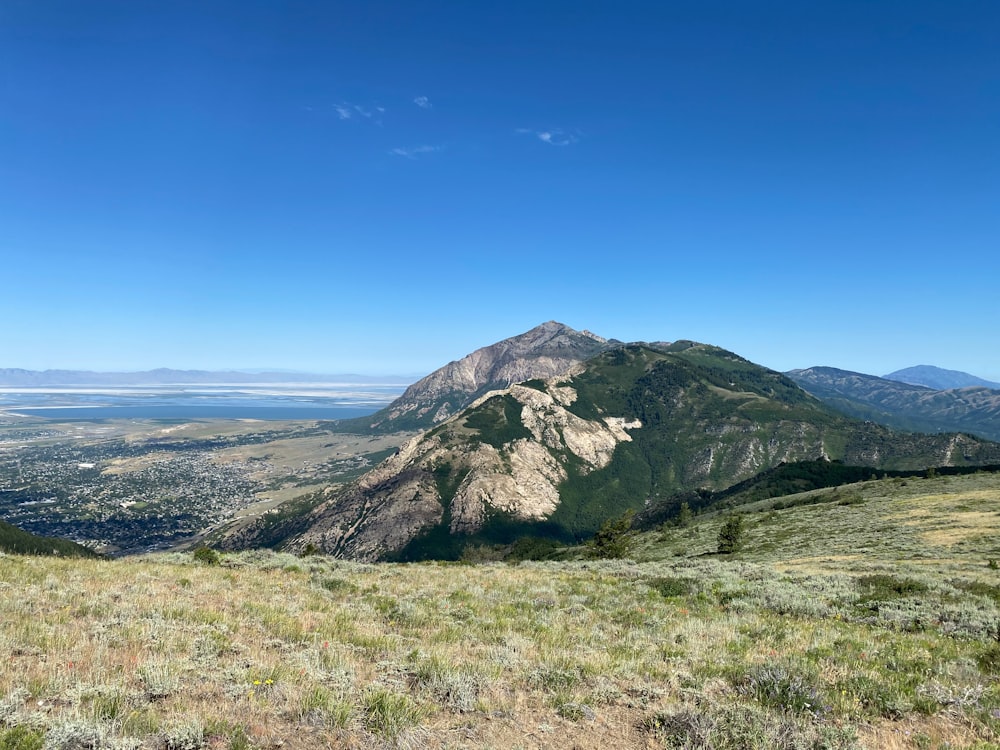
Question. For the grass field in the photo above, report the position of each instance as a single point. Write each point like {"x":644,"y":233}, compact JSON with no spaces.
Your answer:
{"x":865,"y":617}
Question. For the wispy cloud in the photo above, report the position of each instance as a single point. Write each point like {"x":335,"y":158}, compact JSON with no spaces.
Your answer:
{"x":423,"y":102}
{"x":349,"y":111}
{"x":415,"y":151}
{"x":552,"y":136}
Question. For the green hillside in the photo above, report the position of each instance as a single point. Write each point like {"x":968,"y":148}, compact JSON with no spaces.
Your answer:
{"x":710,"y":419}
{"x":795,"y":479}
{"x":14,"y":540}
{"x":937,"y":527}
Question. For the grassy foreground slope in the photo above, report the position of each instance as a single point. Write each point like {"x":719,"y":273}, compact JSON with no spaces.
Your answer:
{"x":868,"y":620}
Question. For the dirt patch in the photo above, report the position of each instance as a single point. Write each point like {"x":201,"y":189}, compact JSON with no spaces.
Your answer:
{"x":946,"y":520}
{"x":293,"y":452}
{"x":973,"y":526}
{"x":136,"y":463}
{"x":932,"y":505}
{"x":820,"y":564}
{"x":940,"y":730}
{"x":537,"y":727}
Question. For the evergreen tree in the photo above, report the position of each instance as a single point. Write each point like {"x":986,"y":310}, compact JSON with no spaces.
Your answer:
{"x":613,"y":540}
{"x":684,"y":515}
{"x":731,"y":535}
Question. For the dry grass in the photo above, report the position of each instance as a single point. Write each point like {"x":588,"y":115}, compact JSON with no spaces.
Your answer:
{"x":271,"y":650}
{"x":823,"y":646}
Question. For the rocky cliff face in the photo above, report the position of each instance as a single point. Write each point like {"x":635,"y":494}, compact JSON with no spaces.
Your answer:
{"x":459,"y":474}
{"x":543,"y":352}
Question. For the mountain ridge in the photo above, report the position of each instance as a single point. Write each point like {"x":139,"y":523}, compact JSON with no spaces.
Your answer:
{"x":559,"y":456}
{"x":940,"y":378}
{"x":902,"y":405}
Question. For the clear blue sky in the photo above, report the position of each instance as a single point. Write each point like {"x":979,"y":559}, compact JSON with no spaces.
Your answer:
{"x":381,"y":187}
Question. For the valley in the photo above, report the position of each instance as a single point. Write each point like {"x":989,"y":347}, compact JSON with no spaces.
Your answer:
{"x":128,"y":486}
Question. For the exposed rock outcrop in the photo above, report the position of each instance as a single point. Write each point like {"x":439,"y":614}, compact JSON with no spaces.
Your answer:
{"x":410,"y":491}
{"x":543,"y":352}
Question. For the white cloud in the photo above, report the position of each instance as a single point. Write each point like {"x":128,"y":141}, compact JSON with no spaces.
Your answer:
{"x":553,"y":136}
{"x":556,"y":137}
{"x":423,"y":102}
{"x":415,"y":151}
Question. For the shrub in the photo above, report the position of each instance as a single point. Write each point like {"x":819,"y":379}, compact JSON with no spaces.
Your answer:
{"x":157,"y":679}
{"x":989,"y":660}
{"x":670,"y":586}
{"x":20,"y":738}
{"x":75,"y":735}
{"x":206,"y":556}
{"x":744,"y":727}
{"x":781,"y":688}
{"x":338,"y":586}
{"x":881,"y":587}
{"x":389,"y":714}
{"x":186,"y":735}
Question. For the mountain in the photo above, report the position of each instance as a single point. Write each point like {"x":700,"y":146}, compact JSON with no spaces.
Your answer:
{"x":545,"y":351}
{"x":939,"y":379}
{"x":903,"y":406}
{"x":556,"y":457}
{"x":164,"y":376}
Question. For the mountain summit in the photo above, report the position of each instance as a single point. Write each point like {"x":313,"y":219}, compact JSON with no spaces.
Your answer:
{"x":543,"y":352}
{"x":939,"y":379}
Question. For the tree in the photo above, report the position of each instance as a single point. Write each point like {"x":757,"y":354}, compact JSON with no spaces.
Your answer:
{"x":612,"y":540}
{"x":684,"y":515}
{"x":731,"y":535}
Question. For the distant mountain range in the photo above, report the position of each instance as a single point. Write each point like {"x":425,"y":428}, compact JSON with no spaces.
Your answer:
{"x":903,"y":406}
{"x":164,"y":376}
{"x":939,"y":379}
{"x":593,"y":428}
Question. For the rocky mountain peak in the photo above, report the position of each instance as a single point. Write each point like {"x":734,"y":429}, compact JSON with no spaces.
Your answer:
{"x":547,"y":350}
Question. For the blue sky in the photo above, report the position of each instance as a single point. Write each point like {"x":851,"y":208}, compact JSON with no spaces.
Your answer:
{"x":382,"y":187}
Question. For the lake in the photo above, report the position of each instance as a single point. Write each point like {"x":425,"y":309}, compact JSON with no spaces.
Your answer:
{"x":265,"y":401}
